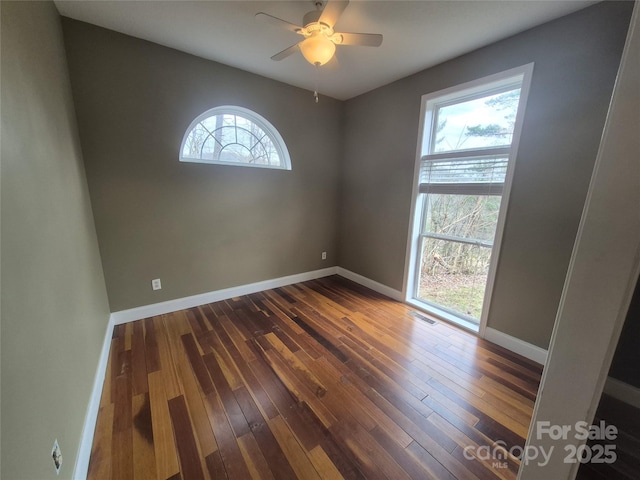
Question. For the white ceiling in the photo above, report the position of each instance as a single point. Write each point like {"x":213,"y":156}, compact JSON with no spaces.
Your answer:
{"x":417,"y":34}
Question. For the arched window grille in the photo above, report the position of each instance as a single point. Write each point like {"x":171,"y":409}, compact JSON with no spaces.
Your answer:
{"x":231,"y":135}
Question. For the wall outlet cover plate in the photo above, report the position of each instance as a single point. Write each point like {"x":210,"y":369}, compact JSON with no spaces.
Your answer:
{"x":56,"y":455}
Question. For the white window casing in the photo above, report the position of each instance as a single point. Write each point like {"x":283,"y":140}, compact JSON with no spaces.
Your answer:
{"x":483,"y":169}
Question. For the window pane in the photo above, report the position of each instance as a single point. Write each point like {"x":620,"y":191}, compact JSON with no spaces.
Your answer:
{"x":483,"y":122}
{"x":226,"y":135}
{"x":235,"y":153}
{"x":210,"y":149}
{"x":211,"y":123}
{"x":195,"y":140}
{"x":245,"y":137}
{"x":453,"y":276}
{"x":465,"y":216}
{"x":260,"y":154}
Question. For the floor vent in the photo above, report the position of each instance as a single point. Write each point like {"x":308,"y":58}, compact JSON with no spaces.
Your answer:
{"x":430,"y":321}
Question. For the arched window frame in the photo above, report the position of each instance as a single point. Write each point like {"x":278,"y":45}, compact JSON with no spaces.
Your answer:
{"x":261,"y":122}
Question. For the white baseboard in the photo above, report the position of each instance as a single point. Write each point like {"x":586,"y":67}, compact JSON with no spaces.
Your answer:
{"x":622,"y":391}
{"x":372,"y":284}
{"x":86,"y":441}
{"x":138,"y":313}
{"x":527,"y":350}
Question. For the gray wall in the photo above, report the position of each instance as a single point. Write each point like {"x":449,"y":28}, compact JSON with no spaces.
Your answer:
{"x":576,"y":61}
{"x":626,"y":362}
{"x":198,"y":228}
{"x":54,"y":304}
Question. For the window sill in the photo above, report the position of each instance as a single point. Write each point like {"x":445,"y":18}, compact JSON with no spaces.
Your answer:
{"x":444,"y":315}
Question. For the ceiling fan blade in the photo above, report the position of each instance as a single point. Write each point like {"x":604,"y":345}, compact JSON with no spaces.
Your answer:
{"x":332,"y":11}
{"x":361,"y":39}
{"x":286,"y":52}
{"x":278,"y":22}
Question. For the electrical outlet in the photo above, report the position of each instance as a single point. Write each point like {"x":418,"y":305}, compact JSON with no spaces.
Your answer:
{"x":155,"y":284}
{"x":56,"y":455}
{"x":324,"y":255}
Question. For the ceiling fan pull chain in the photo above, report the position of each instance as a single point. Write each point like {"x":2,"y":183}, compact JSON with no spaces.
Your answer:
{"x":315,"y":92}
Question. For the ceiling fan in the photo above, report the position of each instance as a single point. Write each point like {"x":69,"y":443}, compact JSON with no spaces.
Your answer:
{"x":320,"y":39}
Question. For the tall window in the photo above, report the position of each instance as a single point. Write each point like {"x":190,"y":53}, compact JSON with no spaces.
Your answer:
{"x":464,"y":157}
{"x":234,"y":136}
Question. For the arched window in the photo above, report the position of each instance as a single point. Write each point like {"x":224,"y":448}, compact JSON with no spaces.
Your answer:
{"x":232,"y":135}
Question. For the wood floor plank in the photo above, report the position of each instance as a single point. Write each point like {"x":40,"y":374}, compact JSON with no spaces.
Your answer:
{"x":323,"y":464}
{"x":375,"y":460}
{"x":324,"y":379}
{"x":463,"y":441}
{"x":237,"y":338}
{"x":167,"y":366}
{"x":144,"y":466}
{"x":100,"y":461}
{"x":342,"y":458}
{"x":241,"y":361}
{"x":298,"y":367}
{"x":193,"y":396}
{"x":232,"y":409}
{"x":188,"y":455}
{"x":138,"y":359}
{"x":225,"y":361}
{"x":164,"y":445}
{"x":232,"y":458}
{"x":407,"y":462}
{"x":115,"y":359}
{"x":434,"y":467}
{"x":263,"y":437}
{"x":215,"y":466}
{"x":197,"y":365}
{"x":122,"y":439}
{"x":292,"y":449}
{"x":257,"y":464}
{"x":128,"y":334}
{"x":484,"y":410}
{"x":369,"y":413}
{"x":285,"y":404}
{"x":296,"y":385}
{"x":152,"y":356}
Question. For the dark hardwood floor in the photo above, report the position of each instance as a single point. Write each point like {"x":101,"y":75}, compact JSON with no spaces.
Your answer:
{"x":626,"y":445}
{"x":323,"y":379}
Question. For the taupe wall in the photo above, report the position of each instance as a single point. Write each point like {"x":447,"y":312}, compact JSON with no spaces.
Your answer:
{"x":197,"y":227}
{"x":54,"y":304}
{"x":576,"y":61}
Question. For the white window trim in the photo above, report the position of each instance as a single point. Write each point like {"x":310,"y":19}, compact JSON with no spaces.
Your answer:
{"x":254,"y":117}
{"x":473,"y":87}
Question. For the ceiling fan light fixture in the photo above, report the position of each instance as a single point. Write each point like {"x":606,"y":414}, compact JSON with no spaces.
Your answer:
{"x":317,"y":49}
